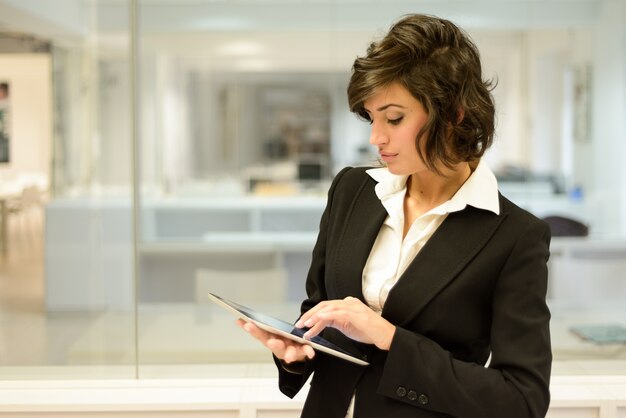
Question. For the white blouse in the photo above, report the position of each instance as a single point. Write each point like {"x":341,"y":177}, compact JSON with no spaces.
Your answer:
{"x":391,"y":254}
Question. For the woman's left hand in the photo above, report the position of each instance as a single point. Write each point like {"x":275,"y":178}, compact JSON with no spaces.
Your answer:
{"x":353,"y":318}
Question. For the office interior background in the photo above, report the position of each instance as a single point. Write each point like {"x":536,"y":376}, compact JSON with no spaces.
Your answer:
{"x":155,"y":150}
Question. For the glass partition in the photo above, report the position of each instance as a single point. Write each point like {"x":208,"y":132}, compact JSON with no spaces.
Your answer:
{"x":242,"y":121}
{"x":236,"y":160}
{"x":67,"y":304}
{"x":246,"y":120}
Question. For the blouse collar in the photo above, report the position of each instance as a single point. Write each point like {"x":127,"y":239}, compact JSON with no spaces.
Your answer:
{"x":479,"y":191}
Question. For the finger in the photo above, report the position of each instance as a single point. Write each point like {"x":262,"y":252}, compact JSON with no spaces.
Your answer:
{"x":250,"y":328}
{"x":308,"y":314}
{"x":277,"y":346}
{"x":316,"y":329}
{"x":303,"y":351}
{"x":314,"y":317}
{"x":308,"y":351}
{"x":351,"y":300}
{"x":280,"y":347}
{"x":257,"y":332}
{"x":291,"y":354}
{"x":329,"y":313}
{"x":327,"y":304}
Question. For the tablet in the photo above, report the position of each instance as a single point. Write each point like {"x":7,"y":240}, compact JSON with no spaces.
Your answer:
{"x":284,"y":329}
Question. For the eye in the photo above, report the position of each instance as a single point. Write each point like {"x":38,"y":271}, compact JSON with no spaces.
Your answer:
{"x":395,"y":121}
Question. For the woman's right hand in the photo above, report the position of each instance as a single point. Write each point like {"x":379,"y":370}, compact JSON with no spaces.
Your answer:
{"x":283,"y":348}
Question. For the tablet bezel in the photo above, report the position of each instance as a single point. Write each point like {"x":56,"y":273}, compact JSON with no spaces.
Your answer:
{"x":233,"y":308}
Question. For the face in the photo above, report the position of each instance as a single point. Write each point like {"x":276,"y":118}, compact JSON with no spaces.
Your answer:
{"x":396,"y":118}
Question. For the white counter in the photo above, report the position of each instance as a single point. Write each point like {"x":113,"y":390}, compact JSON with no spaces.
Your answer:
{"x":572,"y":397}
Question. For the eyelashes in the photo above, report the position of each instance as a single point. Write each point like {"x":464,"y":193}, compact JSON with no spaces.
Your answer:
{"x":394,"y":122}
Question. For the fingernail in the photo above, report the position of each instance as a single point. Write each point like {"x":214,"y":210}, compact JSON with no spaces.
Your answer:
{"x":299,"y":324}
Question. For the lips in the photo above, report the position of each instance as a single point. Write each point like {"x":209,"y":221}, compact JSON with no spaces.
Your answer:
{"x":387,"y":156}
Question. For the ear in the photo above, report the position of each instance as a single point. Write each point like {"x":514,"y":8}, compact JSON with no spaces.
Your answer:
{"x":460,"y":115}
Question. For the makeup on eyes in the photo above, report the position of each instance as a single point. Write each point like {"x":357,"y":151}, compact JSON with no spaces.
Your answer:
{"x":395,"y":120}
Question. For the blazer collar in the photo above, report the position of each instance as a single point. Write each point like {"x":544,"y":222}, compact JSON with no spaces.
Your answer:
{"x":455,"y":243}
{"x":480,"y":190}
{"x":363,"y":221}
{"x":461,"y":236}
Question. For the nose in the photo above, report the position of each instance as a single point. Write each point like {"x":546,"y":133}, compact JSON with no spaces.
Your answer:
{"x":378,"y":136}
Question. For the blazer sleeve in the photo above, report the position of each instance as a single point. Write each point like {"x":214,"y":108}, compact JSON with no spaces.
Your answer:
{"x":290,"y":383}
{"x":516,"y":382}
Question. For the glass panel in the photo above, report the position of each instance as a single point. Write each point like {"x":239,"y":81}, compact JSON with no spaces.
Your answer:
{"x":67,"y":298}
{"x":245,"y":120}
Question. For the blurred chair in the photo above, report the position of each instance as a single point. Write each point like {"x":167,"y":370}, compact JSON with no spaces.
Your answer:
{"x":26,"y":214}
{"x":562,"y":226}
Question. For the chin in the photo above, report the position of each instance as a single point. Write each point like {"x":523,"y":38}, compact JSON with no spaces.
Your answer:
{"x":398,"y":169}
{"x":405,"y":171}
{"x":398,"y":172}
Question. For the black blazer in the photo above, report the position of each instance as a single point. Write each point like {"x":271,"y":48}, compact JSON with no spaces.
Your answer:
{"x":477,"y":287}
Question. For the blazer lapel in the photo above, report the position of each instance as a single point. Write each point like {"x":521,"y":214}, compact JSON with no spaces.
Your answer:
{"x":363,"y":221}
{"x":457,"y":240}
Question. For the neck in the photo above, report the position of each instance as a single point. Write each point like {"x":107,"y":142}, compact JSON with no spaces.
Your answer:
{"x":431,"y":189}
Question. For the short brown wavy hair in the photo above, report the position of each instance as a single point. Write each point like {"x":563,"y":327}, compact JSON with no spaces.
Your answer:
{"x":439,"y":65}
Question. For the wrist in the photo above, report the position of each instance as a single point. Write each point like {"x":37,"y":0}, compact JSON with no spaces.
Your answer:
{"x":386,"y":337}
{"x":296,"y":367}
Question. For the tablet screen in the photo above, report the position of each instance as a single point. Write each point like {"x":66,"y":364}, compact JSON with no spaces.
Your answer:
{"x":284,"y":328}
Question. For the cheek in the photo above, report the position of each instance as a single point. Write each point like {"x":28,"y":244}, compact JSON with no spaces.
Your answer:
{"x":409,"y":136}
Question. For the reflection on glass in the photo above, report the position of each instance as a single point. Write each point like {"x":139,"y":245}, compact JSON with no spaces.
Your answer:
{"x":247,"y":124}
{"x":243,"y":121}
{"x":67,"y":304}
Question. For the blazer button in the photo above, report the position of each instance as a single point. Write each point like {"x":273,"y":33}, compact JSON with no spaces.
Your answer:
{"x":401,"y":391}
{"x":422,"y":399}
{"x":412,"y":395}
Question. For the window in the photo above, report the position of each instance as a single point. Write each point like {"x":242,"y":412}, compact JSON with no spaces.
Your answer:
{"x":242,"y":121}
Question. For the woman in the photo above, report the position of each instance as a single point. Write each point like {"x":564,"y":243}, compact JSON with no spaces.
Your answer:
{"x":421,"y":266}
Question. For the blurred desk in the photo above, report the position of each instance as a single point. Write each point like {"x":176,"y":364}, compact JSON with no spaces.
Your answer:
{"x":567,"y":346}
{"x":591,"y":246}
{"x":179,"y":237}
{"x":587,"y":271}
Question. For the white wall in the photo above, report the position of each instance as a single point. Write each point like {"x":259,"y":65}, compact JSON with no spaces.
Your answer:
{"x":29,"y":76}
{"x":502,"y":55}
{"x":609,"y":112}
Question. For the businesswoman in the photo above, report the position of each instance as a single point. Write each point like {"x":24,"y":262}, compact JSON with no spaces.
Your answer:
{"x":421,"y":266}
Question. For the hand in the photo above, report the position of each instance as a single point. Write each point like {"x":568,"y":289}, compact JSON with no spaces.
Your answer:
{"x":353,"y":318}
{"x":283,"y":348}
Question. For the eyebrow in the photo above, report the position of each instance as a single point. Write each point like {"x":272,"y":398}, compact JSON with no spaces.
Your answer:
{"x":380,"y":109}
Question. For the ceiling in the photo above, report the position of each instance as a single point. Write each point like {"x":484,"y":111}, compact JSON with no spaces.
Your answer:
{"x":78,"y":18}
